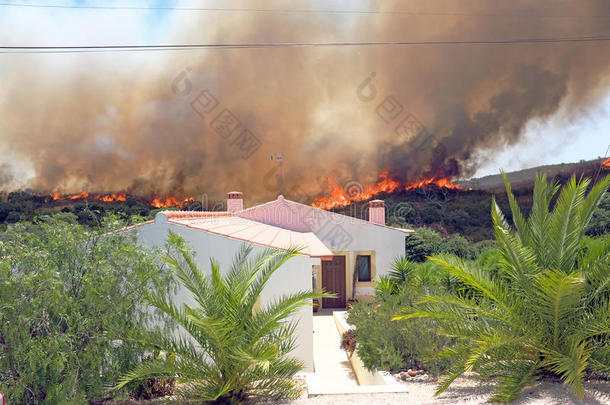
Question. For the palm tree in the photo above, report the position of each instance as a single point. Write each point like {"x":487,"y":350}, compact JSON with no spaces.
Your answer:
{"x":548,"y":310}
{"x":232,"y":349}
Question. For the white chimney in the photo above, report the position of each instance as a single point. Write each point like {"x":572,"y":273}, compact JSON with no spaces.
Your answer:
{"x":235,"y":201}
{"x":377,"y":212}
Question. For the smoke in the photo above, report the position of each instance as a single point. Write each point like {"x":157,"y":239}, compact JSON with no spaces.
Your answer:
{"x":206,"y":121}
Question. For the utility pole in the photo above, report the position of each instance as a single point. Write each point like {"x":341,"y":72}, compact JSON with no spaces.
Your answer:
{"x":279,"y":158}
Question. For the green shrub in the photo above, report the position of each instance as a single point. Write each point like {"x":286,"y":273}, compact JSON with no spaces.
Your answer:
{"x":389,"y":345}
{"x":424,"y":242}
{"x":69,"y":298}
{"x":600,"y":221}
{"x":427,"y":242}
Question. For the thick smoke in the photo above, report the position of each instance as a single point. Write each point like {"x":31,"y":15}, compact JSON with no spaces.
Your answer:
{"x":145,"y":122}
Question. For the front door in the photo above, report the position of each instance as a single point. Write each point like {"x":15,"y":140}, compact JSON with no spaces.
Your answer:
{"x":333,"y":281}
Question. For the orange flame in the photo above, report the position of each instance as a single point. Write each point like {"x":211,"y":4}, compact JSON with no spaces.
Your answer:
{"x":82,"y":195}
{"x":606,"y":164}
{"x":160,"y":202}
{"x":433,"y":181}
{"x":341,"y":197}
{"x":170,"y":201}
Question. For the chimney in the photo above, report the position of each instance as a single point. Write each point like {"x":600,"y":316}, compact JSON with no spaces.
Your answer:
{"x":377,"y":212}
{"x":235,"y":201}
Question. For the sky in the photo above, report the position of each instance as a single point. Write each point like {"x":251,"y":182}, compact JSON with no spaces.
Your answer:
{"x":586,"y":136}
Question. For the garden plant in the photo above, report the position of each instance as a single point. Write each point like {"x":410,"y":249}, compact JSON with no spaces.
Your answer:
{"x":546,"y":311}
{"x":231,"y":348}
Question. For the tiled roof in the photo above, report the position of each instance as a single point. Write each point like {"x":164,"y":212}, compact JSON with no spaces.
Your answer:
{"x":300,"y":217}
{"x":248,"y":230}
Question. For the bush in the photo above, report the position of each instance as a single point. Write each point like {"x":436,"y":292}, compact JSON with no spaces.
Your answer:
{"x":69,"y":298}
{"x":395,"y":345}
{"x":600,"y":221}
{"x":427,"y":242}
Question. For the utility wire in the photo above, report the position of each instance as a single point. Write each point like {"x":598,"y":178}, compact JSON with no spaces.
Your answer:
{"x":176,"y":47}
{"x":303,"y":11}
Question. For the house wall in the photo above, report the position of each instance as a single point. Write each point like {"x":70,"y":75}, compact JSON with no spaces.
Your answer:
{"x":294,"y":276}
{"x":350,"y":237}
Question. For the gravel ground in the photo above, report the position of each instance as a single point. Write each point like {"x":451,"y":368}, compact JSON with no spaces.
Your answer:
{"x":466,"y":391}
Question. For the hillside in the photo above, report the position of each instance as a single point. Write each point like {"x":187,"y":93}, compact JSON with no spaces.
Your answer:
{"x":468,"y":211}
{"x":525,"y":178}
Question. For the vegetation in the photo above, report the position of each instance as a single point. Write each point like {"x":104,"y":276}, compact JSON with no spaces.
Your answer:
{"x":534,"y":303}
{"x":233,"y":349}
{"x":390,"y":345}
{"x":25,"y":206}
{"x":385,"y":344}
{"x":348,"y":342}
{"x":426,"y":242}
{"x":65,"y":291}
{"x":546,"y":310}
{"x":600,"y":221}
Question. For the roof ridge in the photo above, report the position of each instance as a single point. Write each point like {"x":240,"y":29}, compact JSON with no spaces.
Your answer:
{"x":195,"y":214}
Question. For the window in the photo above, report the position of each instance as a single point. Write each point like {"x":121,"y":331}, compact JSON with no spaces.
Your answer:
{"x":364,"y":267}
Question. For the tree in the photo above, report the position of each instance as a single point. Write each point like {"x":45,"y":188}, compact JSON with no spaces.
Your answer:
{"x":547,"y":311}
{"x":69,"y":298}
{"x":232,"y":350}
{"x":426,"y":242}
{"x":600,"y":222}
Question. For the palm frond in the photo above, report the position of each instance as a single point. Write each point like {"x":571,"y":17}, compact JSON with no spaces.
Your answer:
{"x":571,"y":364}
{"x":519,"y":376}
{"x":523,"y":231}
{"x":548,"y":309}
{"x":224,"y":351}
{"x":565,"y":225}
{"x":591,"y":202}
{"x":558,"y":297}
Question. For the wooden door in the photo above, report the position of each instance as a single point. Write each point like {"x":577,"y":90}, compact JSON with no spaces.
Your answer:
{"x":333,"y":281}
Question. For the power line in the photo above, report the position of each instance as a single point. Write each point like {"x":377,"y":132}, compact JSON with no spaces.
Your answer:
{"x":304,"y":11}
{"x":176,"y":47}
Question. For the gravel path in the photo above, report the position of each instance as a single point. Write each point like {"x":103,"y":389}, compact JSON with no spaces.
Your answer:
{"x":466,"y":391}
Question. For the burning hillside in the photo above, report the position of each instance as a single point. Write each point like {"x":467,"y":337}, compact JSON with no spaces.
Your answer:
{"x":156,"y":202}
{"x":354,"y":192}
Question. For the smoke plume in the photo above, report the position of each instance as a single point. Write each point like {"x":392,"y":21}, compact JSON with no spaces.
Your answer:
{"x":207,"y":121}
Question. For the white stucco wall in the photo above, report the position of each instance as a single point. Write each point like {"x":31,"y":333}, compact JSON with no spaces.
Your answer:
{"x":342,"y":233}
{"x":293,"y":276}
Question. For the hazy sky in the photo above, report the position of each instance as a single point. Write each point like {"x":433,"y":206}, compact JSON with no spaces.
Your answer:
{"x":585,"y":137}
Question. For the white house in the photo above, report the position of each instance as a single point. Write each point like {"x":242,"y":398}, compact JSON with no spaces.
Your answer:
{"x":338,"y":251}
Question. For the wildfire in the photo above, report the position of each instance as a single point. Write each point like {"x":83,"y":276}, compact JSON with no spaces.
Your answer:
{"x":159,"y":202}
{"x":606,"y":164}
{"x":82,"y":195}
{"x":343,"y":196}
{"x":433,"y":181}
{"x":170,"y":201}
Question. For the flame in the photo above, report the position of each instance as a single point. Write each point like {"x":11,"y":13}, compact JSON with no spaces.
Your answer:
{"x":170,"y":201}
{"x":442,"y":182}
{"x":606,"y":164}
{"x":344,"y":196}
{"x":114,"y":197}
{"x":159,"y":202}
